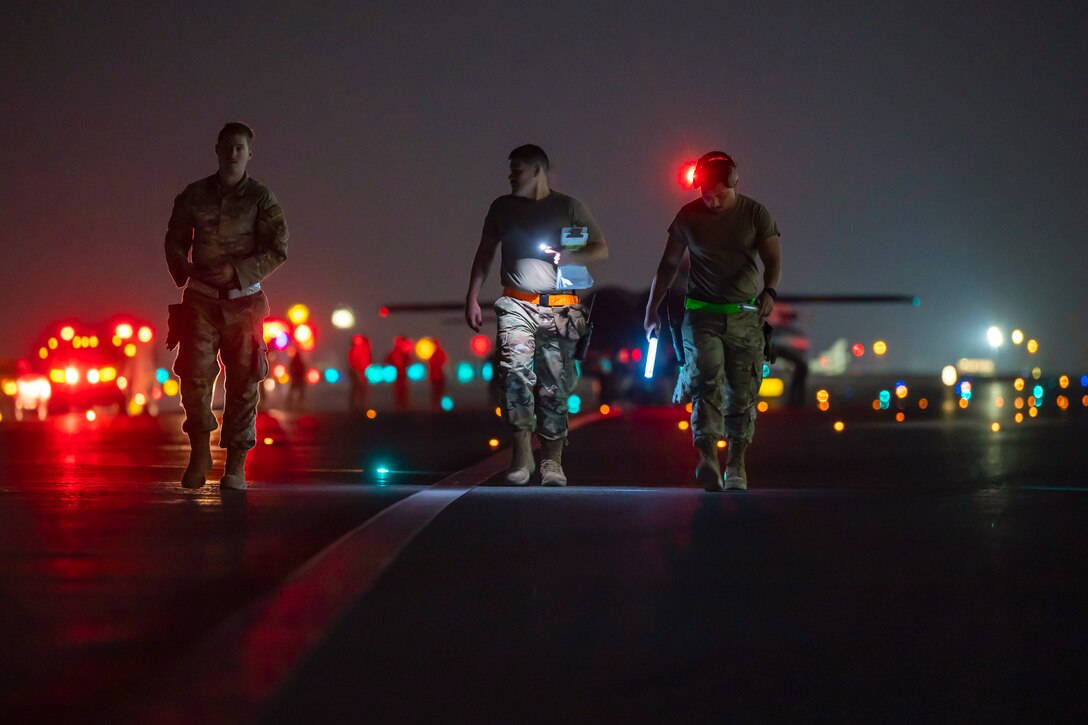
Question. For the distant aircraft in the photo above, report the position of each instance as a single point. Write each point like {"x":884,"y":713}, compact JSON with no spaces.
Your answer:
{"x":615,"y":357}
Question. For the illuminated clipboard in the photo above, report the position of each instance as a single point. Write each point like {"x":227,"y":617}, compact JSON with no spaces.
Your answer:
{"x":573,"y":276}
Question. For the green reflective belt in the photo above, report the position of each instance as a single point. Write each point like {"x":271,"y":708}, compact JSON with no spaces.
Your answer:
{"x":728,"y":308}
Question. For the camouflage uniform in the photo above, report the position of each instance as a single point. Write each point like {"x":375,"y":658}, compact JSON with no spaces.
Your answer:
{"x":243,"y":227}
{"x":535,"y":346}
{"x":724,"y":355}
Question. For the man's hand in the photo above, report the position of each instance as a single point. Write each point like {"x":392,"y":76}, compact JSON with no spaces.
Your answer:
{"x":474,"y":316}
{"x":220,"y":277}
{"x":765,"y":303}
{"x":652,"y":324}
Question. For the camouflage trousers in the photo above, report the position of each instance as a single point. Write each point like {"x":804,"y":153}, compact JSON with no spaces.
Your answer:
{"x":535,"y":347}
{"x":233,"y":330}
{"x":725,"y":355}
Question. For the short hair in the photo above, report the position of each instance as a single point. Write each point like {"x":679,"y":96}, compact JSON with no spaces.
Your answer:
{"x":531,"y":155}
{"x":235,"y":128}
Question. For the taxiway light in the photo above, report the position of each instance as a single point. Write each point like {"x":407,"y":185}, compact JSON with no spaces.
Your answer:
{"x":343,"y":318}
{"x":995,"y":426}
{"x":651,"y":358}
{"x":683,"y":425}
{"x":824,"y":406}
{"x":10,"y":388}
{"x":923,"y":403}
{"x":688,"y":407}
{"x":139,"y":399}
{"x":1018,"y":383}
{"x":332,"y":375}
{"x":995,"y":337}
{"x":900,"y":416}
{"x":313,"y":376}
{"x":1036,"y":373}
{"x":1018,"y":403}
{"x":124,"y":331}
{"x":901,"y":391}
{"x":1063,"y":402}
{"x":67,"y":333}
{"x":1033,"y":347}
{"x":480,"y":345}
{"x":1033,"y":412}
{"x":858,"y":349}
{"x":91,"y":415}
{"x":170,"y":388}
{"x":498,"y":412}
{"x":722,"y":444}
{"x":822,"y":396}
{"x":999,"y":402}
{"x":762,"y":406}
{"x":880,"y":347}
{"x":487,"y":371}
{"x":493,"y":443}
{"x":268,"y":441}
{"x":465,"y":373}
{"x":425,"y":348}
{"x":447,"y":403}
{"x":304,"y":336}
{"x":839,"y":426}
{"x":43,"y":353}
{"x":605,"y":409}
{"x":383,"y":312}
{"x":1017,"y":337}
{"x":416,"y":372}
{"x":1084,"y":401}
{"x":574,"y":404}
{"x":122,"y":382}
{"x":298,"y":314}
{"x":144,"y":335}
{"x":371,"y":414}
{"x":1063,"y":381}
{"x":949,"y":375}
{"x":130,"y":350}
{"x":71,"y":376}
{"x":93,"y":376}
{"x":53,"y":343}
{"x":1084,"y":381}
{"x":964,"y":403}
{"x":1019,"y":418}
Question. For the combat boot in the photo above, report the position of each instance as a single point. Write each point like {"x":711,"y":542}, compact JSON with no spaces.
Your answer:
{"x":551,"y":462}
{"x":736,"y":478}
{"x":708,"y":472}
{"x":200,"y":461}
{"x":235,"y":474}
{"x":522,"y":464}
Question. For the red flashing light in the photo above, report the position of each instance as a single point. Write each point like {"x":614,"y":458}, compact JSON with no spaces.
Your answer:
{"x":313,"y":376}
{"x":858,"y":350}
{"x":383,"y":312}
{"x":636,"y":354}
{"x":480,"y":345}
{"x":686,"y":177}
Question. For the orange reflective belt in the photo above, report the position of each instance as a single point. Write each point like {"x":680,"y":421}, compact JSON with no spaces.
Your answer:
{"x":547,"y":300}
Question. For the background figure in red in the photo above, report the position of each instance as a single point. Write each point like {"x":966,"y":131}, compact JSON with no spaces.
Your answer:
{"x":399,"y":357}
{"x":436,"y":373}
{"x":359,"y":359}
{"x":296,"y":370}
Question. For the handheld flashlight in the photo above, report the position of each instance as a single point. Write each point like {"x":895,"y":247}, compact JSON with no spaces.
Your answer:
{"x":651,"y":358}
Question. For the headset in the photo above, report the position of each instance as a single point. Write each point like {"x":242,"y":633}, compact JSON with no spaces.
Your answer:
{"x":716,"y":158}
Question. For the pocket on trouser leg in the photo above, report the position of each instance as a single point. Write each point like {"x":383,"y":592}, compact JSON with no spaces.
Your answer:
{"x":258,"y":369}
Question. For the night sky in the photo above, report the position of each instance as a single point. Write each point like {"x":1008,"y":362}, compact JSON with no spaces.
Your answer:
{"x":934,"y":149}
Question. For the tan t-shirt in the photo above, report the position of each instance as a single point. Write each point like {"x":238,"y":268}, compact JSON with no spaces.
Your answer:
{"x":723,"y":247}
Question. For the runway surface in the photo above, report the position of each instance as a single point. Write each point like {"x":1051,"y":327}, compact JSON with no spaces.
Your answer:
{"x":930,"y":568}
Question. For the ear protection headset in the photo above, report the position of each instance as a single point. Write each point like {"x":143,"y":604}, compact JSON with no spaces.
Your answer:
{"x":716,"y":158}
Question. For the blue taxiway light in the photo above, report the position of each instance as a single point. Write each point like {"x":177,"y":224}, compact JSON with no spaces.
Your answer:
{"x":332,"y":375}
{"x":447,"y":403}
{"x":574,"y":405}
{"x":162,"y":375}
{"x":416,"y":372}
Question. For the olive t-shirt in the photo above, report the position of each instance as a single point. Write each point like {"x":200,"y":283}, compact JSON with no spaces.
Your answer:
{"x":522,"y":225}
{"x":723,"y":248}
